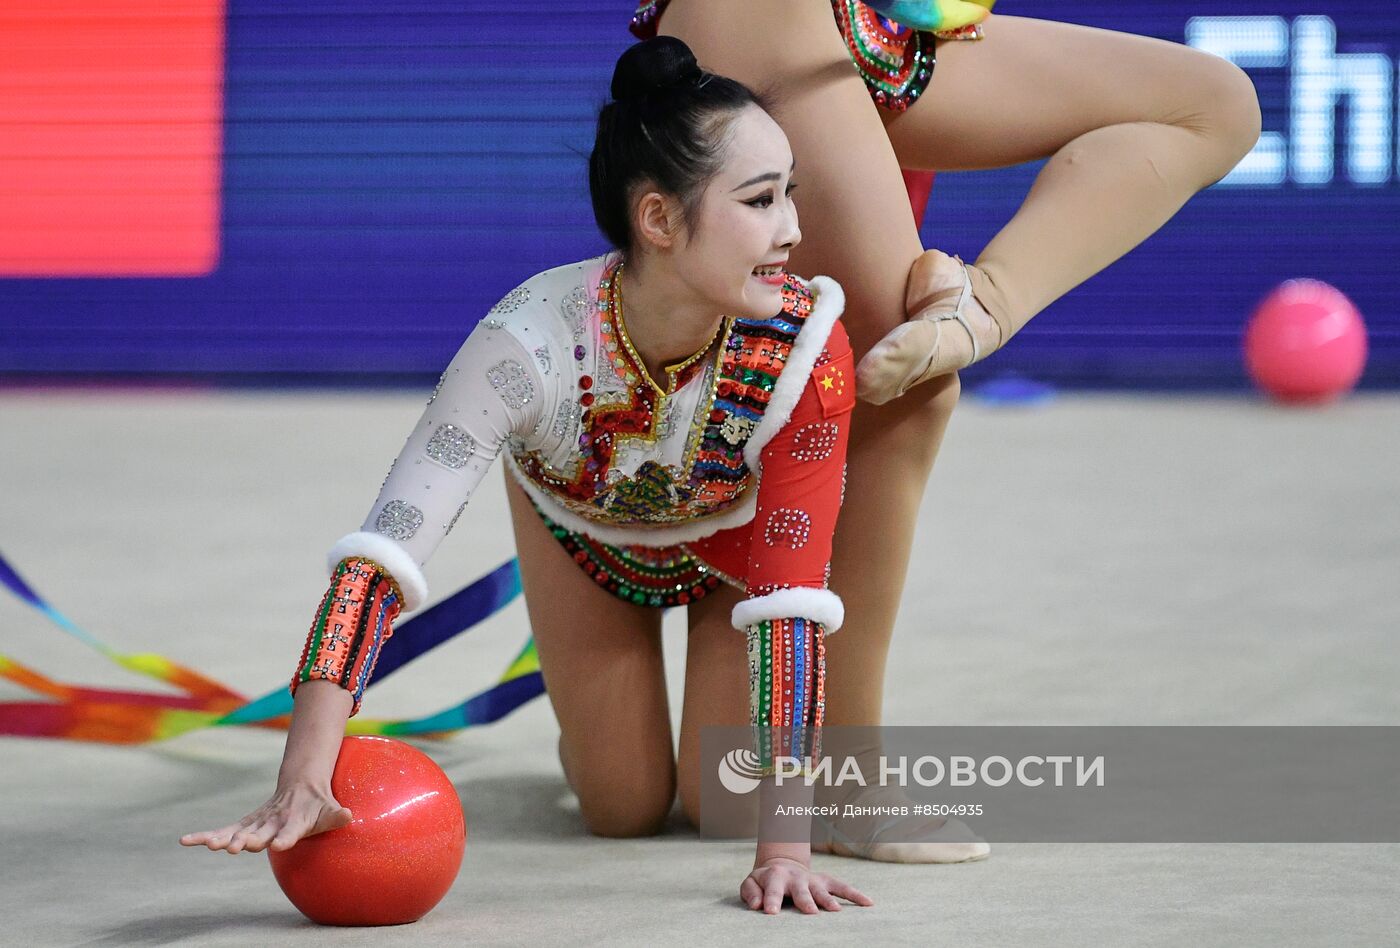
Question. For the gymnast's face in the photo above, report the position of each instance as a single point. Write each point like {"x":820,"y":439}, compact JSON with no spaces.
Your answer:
{"x":746,"y":223}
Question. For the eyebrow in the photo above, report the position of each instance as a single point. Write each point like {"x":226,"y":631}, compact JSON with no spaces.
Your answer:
{"x":770,"y":176}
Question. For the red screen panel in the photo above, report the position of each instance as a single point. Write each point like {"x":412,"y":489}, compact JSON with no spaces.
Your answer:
{"x":111,"y":117}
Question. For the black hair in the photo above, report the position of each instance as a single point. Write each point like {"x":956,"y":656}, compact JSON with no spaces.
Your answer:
{"x":667,"y":124}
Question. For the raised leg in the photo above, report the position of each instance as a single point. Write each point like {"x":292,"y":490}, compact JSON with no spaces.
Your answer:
{"x":1133,"y":127}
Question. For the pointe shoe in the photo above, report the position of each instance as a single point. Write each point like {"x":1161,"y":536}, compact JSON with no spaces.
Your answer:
{"x":953,"y":842}
{"x":910,"y":353}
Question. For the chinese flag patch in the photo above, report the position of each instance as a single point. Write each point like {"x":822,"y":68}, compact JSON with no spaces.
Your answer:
{"x":836,"y":385}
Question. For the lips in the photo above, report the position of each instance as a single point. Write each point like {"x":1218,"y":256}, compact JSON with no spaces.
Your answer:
{"x":771,"y":273}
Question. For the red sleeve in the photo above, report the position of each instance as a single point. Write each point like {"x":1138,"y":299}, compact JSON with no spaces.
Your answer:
{"x":802,"y":482}
{"x":790,"y":609}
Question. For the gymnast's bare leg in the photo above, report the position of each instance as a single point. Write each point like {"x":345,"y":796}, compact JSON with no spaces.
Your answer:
{"x":1133,"y":127}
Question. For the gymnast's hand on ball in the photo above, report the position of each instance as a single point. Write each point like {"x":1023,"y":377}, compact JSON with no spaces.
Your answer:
{"x":294,"y":811}
{"x":779,"y":876}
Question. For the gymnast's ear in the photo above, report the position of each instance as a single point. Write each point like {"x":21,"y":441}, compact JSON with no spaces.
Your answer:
{"x":657,"y":220}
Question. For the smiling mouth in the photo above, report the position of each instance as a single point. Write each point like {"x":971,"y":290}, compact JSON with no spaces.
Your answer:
{"x":770,"y":271}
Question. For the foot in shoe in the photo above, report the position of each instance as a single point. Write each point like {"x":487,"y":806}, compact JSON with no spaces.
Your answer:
{"x":920,"y":349}
{"x":900,"y":839}
{"x":886,"y":838}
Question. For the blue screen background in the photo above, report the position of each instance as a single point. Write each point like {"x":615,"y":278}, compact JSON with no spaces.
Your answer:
{"x":391,"y":170}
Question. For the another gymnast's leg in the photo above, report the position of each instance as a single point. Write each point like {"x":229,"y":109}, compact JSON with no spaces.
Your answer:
{"x":857,"y":229}
{"x":602,"y":665}
{"x":1133,"y":127}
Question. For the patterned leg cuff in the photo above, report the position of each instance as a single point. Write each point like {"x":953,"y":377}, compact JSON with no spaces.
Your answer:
{"x":787,"y":690}
{"x":355,"y":618}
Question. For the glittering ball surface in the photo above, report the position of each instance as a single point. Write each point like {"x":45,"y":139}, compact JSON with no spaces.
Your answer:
{"x":399,"y":855}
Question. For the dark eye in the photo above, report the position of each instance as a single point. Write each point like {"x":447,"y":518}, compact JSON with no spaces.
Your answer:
{"x":761,"y":201}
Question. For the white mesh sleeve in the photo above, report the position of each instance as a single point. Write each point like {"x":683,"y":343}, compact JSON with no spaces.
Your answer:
{"x":490,"y":391}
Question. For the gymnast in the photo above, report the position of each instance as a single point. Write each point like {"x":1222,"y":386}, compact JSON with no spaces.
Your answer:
{"x":674,"y":416}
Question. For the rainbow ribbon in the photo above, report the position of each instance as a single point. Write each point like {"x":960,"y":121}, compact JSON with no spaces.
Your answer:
{"x":118,"y":716}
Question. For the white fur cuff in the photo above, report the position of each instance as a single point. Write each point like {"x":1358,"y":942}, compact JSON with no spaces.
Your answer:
{"x":818,"y":605}
{"x":389,"y":555}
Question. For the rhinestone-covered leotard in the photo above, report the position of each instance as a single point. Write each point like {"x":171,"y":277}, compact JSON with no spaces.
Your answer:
{"x":895,"y":61}
{"x":733,"y":469}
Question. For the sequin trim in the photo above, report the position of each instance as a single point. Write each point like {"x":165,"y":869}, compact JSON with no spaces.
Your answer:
{"x":895,"y":62}
{"x":578,"y":307}
{"x":788,"y":526}
{"x":511,"y":382}
{"x":355,"y":618}
{"x":512,"y":301}
{"x":398,"y":520}
{"x":712,"y":476}
{"x":787,"y":690}
{"x":816,"y":441}
{"x":451,"y":446}
{"x":564,"y":419}
{"x":642,"y":575}
{"x":437,"y":389}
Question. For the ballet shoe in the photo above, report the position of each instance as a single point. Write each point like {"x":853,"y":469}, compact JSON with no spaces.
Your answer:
{"x":860,"y":837}
{"x":915,"y":350}
{"x":953,"y":842}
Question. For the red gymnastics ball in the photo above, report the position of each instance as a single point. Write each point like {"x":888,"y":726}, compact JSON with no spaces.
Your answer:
{"x":1305,"y":343}
{"x":401,"y":851}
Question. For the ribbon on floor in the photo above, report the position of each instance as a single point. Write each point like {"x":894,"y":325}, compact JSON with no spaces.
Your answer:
{"x":118,"y":716}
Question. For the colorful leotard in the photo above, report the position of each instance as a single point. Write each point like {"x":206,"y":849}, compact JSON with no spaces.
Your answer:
{"x":731,"y":469}
{"x":895,"y":61}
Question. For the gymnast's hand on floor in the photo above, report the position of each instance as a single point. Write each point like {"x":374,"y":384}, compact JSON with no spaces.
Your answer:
{"x":924,"y":346}
{"x":780,"y":876}
{"x":293,"y":812}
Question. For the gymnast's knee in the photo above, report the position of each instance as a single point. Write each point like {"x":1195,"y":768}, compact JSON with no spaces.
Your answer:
{"x":1233,"y":115}
{"x":724,"y":817}
{"x":640,"y":811}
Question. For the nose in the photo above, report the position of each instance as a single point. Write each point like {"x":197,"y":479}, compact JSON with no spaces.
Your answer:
{"x":790,"y":235}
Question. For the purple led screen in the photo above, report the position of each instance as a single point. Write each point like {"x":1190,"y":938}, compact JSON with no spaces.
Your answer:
{"x":389,"y":170}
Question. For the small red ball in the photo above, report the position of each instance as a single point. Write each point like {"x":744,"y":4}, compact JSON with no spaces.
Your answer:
{"x":1306,"y":342}
{"x":399,"y":855}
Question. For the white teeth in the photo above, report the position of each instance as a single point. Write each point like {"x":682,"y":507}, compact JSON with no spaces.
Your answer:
{"x":768,"y":271}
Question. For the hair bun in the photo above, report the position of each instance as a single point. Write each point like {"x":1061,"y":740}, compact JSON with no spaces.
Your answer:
{"x":653,"y":67}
